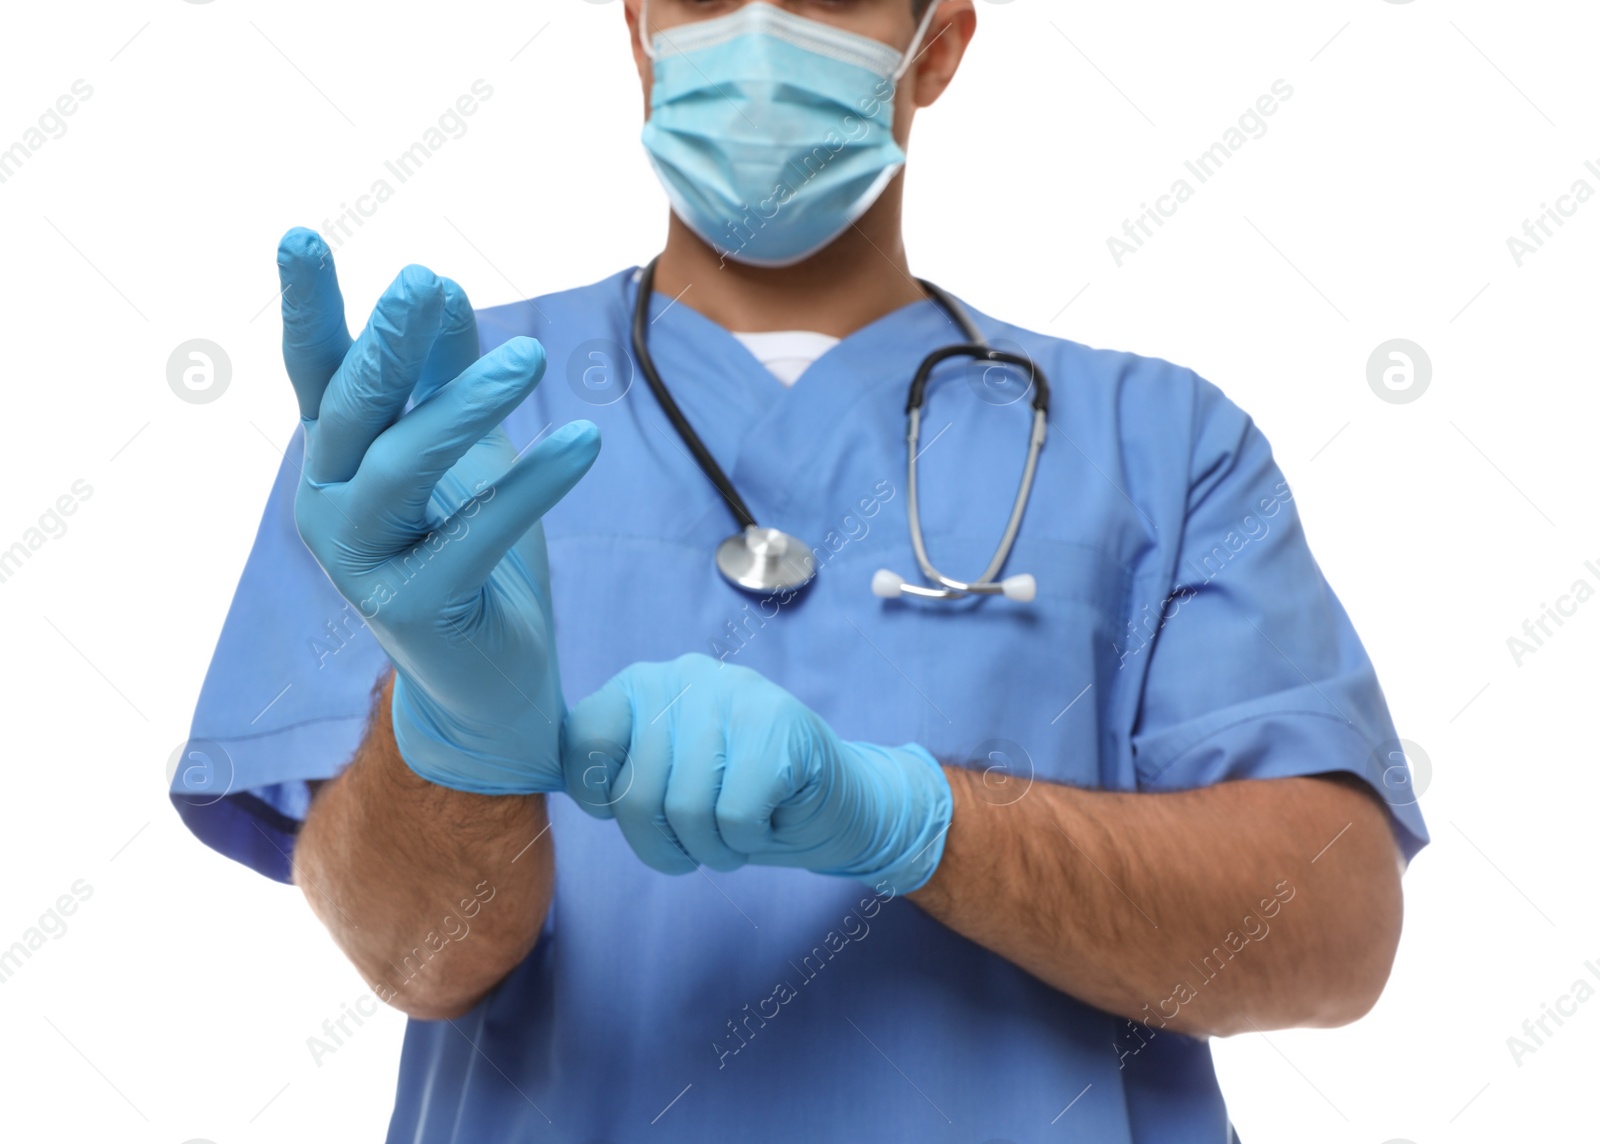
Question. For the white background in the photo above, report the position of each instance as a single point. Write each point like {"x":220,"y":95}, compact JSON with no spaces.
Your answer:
{"x":1419,"y":137}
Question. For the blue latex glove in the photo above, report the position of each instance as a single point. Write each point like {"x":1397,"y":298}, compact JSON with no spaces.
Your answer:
{"x":425,"y":520}
{"x":703,"y":763}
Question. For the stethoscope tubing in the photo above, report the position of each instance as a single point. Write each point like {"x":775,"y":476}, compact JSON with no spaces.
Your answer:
{"x":669,"y":406}
{"x":975,"y":347}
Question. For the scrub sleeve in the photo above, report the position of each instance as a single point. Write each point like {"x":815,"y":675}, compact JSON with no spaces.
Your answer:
{"x":285,"y":700}
{"x":1254,"y":670}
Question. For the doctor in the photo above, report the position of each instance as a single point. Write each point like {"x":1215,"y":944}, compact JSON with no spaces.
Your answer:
{"x":806,"y":863}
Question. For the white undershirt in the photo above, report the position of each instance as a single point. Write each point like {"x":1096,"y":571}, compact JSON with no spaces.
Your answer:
{"x":787,"y":353}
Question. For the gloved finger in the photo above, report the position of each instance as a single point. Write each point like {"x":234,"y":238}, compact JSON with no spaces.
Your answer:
{"x":515,"y":502}
{"x":594,"y":746}
{"x":700,"y":755}
{"x":315,"y":337}
{"x":640,"y":813}
{"x":370,"y":387}
{"x":754,"y":785}
{"x":456,"y":346}
{"x":401,"y":468}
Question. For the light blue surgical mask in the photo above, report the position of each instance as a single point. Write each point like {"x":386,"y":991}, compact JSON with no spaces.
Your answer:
{"x":772,"y":133}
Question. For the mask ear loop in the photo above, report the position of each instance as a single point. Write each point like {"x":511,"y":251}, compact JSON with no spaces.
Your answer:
{"x":910,"y":56}
{"x":644,"y":40}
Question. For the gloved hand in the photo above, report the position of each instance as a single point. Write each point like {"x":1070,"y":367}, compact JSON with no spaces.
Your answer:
{"x":712,"y":764}
{"x":425,"y":520}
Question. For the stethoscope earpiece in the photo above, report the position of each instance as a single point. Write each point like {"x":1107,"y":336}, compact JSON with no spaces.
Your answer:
{"x":1022,"y":588}
{"x":886,"y":585}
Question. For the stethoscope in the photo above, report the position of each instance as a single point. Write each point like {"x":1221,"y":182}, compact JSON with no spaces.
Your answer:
{"x":765,"y":560}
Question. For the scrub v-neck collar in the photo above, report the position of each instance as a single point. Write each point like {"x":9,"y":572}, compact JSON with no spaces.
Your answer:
{"x":764,"y":434}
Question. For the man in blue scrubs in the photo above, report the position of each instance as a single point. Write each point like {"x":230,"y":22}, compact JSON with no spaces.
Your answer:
{"x":799,"y":865}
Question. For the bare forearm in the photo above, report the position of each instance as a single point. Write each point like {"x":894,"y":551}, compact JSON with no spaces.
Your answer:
{"x":434,"y":894}
{"x":1211,"y":911}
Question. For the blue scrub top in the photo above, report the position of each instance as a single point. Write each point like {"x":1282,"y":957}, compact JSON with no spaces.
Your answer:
{"x":1182,"y":635}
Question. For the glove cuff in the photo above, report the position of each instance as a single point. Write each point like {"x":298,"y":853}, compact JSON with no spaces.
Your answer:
{"x":434,"y":754}
{"x":924,"y":821}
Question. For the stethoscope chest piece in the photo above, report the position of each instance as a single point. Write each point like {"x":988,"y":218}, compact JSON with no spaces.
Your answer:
{"x":766,"y":560}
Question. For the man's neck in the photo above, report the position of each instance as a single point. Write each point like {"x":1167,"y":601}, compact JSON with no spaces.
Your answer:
{"x":857,"y":279}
